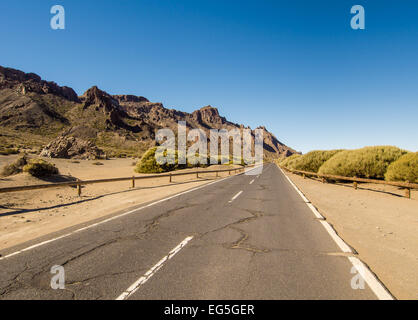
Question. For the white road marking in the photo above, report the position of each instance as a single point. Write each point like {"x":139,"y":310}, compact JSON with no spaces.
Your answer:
{"x":137,"y":284}
{"x":375,"y":285}
{"x":251,"y":182}
{"x":340,"y":242}
{"x":378,"y":289}
{"x":234,"y":197}
{"x":110,"y":219}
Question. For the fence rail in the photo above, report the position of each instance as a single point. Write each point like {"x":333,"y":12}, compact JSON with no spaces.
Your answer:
{"x":406,"y":185}
{"x":79,"y":183}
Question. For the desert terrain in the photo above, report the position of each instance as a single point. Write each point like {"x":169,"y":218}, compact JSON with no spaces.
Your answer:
{"x":378,"y":222}
{"x":31,"y":214}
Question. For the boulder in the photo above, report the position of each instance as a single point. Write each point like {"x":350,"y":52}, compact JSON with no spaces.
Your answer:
{"x":72,"y":148}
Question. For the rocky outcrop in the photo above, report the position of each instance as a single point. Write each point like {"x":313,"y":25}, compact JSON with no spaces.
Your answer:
{"x":100,"y":99}
{"x":33,"y":107}
{"x":72,"y":148}
{"x":130,"y":98}
{"x":208,"y":115}
{"x":30,"y":82}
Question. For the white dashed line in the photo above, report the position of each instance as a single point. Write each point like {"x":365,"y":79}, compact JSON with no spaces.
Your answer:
{"x":110,"y":219}
{"x":251,"y":182}
{"x":234,"y":197}
{"x":137,"y":284}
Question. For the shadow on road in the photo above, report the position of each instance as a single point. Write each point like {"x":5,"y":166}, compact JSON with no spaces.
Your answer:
{"x":87,"y":198}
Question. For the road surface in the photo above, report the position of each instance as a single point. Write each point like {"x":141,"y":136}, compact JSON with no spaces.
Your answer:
{"x":243,"y":237}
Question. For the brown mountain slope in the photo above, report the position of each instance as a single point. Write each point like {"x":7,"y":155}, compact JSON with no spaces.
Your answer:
{"x":33,"y":112}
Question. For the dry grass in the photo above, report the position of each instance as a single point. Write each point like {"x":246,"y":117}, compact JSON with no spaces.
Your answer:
{"x":367,"y":162}
{"x":40,"y":168}
{"x":404,"y":169}
{"x":313,"y":160}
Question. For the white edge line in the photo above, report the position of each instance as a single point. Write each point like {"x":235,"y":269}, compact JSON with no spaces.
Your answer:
{"x":236,"y":196}
{"x":137,"y":284}
{"x":375,"y":285}
{"x":110,"y":219}
{"x":379,"y":290}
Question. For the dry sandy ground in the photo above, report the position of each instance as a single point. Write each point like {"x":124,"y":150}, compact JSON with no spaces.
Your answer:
{"x":31,"y":214}
{"x":382,"y":227}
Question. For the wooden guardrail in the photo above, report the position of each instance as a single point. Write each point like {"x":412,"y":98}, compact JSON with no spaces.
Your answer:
{"x":79,"y":183}
{"x":406,"y":185}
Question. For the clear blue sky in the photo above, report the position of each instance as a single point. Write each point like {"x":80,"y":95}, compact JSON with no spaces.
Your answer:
{"x":294,"y":66}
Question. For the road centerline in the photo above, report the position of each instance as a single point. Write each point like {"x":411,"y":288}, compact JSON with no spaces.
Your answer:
{"x":236,"y":196}
{"x":137,"y":284}
{"x":90,"y":226}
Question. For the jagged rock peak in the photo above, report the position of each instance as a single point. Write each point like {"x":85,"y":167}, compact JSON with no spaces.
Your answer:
{"x":31,"y":82}
{"x":208,"y":114}
{"x":130,"y":98}
{"x":95,"y":96}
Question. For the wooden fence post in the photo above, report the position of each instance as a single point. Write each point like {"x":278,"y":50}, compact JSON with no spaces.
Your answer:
{"x":217,"y":174}
{"x":408,"y":193}
{"x":170,"y":177}
{"x":303,"y":175}
{"x":79,"y":189}
{"x":197,"y":175}
{"x":133,"y":181}
{"x":355,"y":185}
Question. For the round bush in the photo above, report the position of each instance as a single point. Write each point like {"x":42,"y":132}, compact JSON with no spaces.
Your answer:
{"x":290,"y":162}
{"x":15,"y":167}
{"x":40,"y":168}
{"x":404,"y":169}
{"x":367,"y":162}
{"x":148,"y":163}
{"x":313,"y":160}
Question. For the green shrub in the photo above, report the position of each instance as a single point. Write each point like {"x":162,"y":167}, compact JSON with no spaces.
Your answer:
{"x":40,"y":168}
{"x":7,"y":151}
{"x":15,"y":167}
{"x":404,"y":169}
{"x":148,"y":163}
{"x":367,"y":162}
{"x":227,"y":160}
{"x":313,"y":160}
{"x":291,"y":161}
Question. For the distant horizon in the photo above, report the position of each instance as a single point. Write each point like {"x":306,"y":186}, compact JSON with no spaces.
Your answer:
{"x":294,"y":67}
{"x":179,"y":109}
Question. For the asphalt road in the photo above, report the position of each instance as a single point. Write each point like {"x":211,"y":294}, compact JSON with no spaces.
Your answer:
{"x":244,"y":237}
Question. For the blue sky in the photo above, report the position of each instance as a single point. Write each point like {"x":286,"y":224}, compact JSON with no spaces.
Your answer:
{"x":295,"y":66}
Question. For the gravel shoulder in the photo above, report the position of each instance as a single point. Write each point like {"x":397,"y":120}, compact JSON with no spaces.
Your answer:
{"x":378,"y":222}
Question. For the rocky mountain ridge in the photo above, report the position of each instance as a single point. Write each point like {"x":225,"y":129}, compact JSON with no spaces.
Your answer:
{"x":32,"y":108}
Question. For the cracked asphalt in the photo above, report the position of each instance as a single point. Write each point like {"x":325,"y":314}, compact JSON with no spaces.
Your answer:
{"x":266,"y":244}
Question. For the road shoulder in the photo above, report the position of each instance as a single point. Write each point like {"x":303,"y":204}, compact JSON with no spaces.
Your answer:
{"x":380,"y":226}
